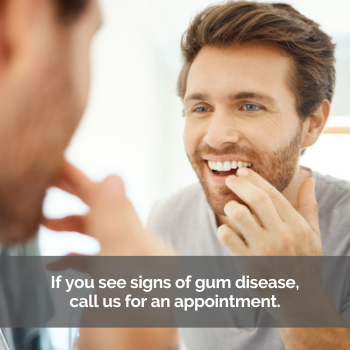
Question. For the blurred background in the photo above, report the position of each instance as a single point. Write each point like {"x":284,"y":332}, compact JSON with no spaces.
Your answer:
{"x":133,"y":124}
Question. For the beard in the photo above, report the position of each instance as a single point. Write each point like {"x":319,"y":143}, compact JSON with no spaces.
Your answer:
{"x":38,"y":125}
{"x":278,"y":168}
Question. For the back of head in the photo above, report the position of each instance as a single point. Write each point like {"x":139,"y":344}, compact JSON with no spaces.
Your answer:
{"x":312,"y":78}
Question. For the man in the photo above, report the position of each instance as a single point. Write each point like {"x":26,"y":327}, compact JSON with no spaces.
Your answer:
{"x":43,"y":91}
{"x":44,"y":83}
{"x":257,"y":83}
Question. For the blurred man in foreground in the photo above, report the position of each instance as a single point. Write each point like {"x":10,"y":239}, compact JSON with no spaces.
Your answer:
{"x":44,"y":84}
{"x":257,"y":83}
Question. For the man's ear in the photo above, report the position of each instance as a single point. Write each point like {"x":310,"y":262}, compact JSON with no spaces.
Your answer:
{"x":23,"y":29}
{"x":315,"y":124}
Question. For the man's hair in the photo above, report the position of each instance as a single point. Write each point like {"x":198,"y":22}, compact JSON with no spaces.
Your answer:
{"x":312,"y":77}
{"x":71,"y":9}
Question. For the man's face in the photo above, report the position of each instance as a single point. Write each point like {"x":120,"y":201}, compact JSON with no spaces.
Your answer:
{"x":240,"y":111}
{"x":43,"y":94}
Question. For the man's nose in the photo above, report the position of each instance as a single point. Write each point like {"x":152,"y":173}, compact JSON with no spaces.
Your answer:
{"x":222,"y":129}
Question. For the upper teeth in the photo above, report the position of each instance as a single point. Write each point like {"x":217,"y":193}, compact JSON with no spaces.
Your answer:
{"x":227,"y":166}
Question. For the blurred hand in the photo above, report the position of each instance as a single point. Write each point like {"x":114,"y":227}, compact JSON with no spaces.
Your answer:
{"x":112,"y":219}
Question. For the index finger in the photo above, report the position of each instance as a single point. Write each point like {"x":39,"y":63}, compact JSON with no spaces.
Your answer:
{"x":75,"y":182}
{"x":284,"y":209}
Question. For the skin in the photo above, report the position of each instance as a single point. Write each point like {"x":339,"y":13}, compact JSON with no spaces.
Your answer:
{"x":256,"y":215}
{"x":44,"y":75}
{"x":44,"y":70}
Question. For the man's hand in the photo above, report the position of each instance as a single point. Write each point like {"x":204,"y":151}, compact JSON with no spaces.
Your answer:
{"x":112,"y":219}
{"x":268,"y":224}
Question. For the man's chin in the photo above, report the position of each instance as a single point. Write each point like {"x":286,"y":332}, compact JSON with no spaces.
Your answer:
{"x":218,"y":199}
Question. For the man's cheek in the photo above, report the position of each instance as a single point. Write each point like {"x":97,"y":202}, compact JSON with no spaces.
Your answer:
{"x":187,"y":143}
{"x":193,"y":135}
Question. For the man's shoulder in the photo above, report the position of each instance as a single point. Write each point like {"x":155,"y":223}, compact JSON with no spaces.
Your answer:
{"x":333,"y":198}
{"x":182,"y":215}
{"x":179,"y":205}
{"x":332,"y":192}
{"x":187,"y":223}
{"x":184,"y":196}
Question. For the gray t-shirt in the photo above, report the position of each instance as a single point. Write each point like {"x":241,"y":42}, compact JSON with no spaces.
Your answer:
{"x":187,"y":222}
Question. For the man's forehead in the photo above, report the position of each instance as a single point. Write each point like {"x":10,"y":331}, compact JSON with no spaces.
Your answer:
{"x":241,"y":95}
{"x":239,"y":72}
{"x":249,"y":50}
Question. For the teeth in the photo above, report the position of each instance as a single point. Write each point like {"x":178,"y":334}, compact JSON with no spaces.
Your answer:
{"x":227,"y":166}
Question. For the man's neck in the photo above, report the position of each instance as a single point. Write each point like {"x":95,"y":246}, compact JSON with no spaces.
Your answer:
{"x":290,"y":192}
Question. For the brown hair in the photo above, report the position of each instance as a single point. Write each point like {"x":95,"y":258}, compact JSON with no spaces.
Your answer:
{"x":280,"y":25}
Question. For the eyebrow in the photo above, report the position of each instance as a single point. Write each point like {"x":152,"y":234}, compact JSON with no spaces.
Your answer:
{"x":256,"y":95}
{"x":197,"y":96}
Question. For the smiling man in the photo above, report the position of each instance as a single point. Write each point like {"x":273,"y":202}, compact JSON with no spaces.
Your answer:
{"x":227,"y":107}
{"x":257,"y":83}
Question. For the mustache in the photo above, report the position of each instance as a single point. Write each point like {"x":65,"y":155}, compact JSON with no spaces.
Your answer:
{"x":227,"y":150}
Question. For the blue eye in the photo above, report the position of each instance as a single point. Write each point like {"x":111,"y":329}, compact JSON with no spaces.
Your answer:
{"x":202,"y":109}
{"x":251,"y":107}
